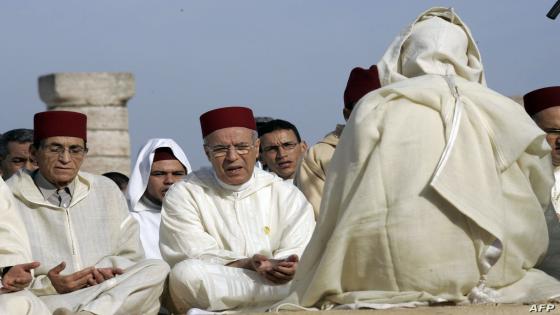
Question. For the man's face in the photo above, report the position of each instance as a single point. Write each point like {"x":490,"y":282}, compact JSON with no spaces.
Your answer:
{"x":549,"y":121}
{"x":281,"y":152}
{"x":232,"y":153}
{"x":60,"y":159}
{"x":18,"y":157}
{"x":163,"y":174}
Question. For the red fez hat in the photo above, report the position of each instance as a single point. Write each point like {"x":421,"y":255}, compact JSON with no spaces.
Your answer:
{"x":541,"y":99}
{"x":360,"y":83}
{"x":59,"y":124}
{"x":163,"y":153}
{"x":226,"y":117}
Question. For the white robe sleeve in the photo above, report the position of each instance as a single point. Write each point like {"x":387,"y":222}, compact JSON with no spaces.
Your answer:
{"x":182,"y":234}
{"x":299,"y":225}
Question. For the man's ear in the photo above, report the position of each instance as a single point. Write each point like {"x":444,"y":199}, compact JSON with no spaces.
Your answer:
{"x":207,"y":152}
{"x":33,"y":152}
{"x":346,"y":113}
{"x":304,"y":146}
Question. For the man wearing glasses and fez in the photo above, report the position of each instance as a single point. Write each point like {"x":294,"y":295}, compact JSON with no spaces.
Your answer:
{"x":543,"y":105}
{"x":79,"y":228}
{"x":232,"y":233}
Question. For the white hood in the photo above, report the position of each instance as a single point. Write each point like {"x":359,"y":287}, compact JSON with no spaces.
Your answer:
{"x":418,"y":50}
{"x":141,"y":171}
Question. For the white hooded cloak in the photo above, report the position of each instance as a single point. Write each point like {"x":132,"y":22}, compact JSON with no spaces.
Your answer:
{"x":146,"y":213}
{"x":437,"y":190}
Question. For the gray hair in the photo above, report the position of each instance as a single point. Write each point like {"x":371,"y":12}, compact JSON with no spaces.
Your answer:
{"x":15,"y":135}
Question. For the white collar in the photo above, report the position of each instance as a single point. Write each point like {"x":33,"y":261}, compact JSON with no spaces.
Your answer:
{"x":235,"y":188}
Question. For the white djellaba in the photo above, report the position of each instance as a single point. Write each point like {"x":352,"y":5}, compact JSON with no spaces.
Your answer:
{"x":439,"y":190}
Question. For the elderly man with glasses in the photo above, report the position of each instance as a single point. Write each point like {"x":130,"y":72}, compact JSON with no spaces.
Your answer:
{"x":79,"y":228}
{"x":233,"y":233}
{"x":543,"y":105}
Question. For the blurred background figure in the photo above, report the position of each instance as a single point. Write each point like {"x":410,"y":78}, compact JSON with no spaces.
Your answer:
{"x":14,"y":152}
{"x":119,"y":178}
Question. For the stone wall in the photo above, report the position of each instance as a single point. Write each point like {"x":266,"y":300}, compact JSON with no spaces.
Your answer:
{"x":102,"y":97}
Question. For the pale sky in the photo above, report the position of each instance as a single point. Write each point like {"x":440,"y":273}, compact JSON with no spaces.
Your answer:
{"x":286,"y":59}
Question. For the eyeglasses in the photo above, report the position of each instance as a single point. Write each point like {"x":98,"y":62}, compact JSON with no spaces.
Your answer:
{"x":552,"y":131}
{"x":75,"y":151}
{"x":287,"y":146}
{"x":222,"y":150}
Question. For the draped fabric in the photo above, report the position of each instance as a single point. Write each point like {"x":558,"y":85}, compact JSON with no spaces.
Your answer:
{"x":14,"y":244}
{"x":22,"y":303}
{"x":312,"y":171}
{"x":15,"y":250}
{"x":94,"y":230}
{"x":143,"y":210}
{"x":438,"y":188}
{"x":206,"y":225}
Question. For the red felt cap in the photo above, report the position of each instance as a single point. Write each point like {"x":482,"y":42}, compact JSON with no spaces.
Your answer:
{"x":163,"y":153}
{"x":59,"y":124}
{"x":360,"y":82}
{"x":226,"y":117}
{"x":541,"y":99}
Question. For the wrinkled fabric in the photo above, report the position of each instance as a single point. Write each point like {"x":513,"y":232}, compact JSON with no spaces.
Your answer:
{"x":145,"y":212}
{"x":95,"y":230}
{"x":205,"y":221}
{"x":555,"y":191}
{"x":15,"y":250}
{"x":437,"y":191}
{"x":22,"y":303}
{"x":14,"y":244}
{"x":312,"y":171}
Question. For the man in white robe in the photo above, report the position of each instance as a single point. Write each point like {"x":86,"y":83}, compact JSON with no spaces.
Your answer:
{"x":160,"y":164}
{"x":232,"y":233}
{"x":15,"y":261}
{"x":543,"y":105}
{"x":82,"y":234}
{"x":312,"y":171}
{"x":437,"y":190}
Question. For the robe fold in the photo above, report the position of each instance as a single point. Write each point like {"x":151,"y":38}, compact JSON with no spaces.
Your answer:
{"x":15,"y":250}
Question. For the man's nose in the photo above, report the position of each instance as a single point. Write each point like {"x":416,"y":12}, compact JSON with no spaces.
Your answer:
{"x":64,"y":157}
{"x":168,"y":179}
{"x":231,"y":154}
{"x":281,"y":152}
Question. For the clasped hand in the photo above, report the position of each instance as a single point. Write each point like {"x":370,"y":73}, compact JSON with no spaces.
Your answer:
{"x":278,"y":271}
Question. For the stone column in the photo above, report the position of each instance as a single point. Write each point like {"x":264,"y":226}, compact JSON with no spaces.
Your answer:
{"x":102,"y":96}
